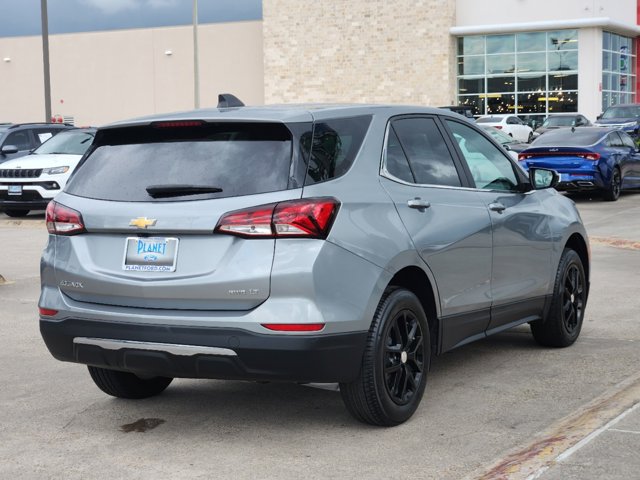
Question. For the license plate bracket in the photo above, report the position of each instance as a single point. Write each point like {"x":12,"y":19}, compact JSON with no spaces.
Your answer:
{"x":150,"y":254}
{"x":14,"y":190}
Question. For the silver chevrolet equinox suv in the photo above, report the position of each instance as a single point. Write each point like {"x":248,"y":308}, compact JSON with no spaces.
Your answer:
{"x":312,"y":243}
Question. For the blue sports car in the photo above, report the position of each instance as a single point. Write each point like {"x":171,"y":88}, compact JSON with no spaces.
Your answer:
{"x":588,"y":158}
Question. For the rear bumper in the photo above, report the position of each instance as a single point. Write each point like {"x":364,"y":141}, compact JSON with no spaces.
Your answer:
{"x":24,"y":204}
{"x":197,"y":352}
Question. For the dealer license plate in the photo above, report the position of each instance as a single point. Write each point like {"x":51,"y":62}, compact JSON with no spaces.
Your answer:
{"x":15,"y":190}
{"x":154,"y":254}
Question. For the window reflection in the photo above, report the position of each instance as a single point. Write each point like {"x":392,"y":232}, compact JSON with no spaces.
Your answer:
{"x":618,"y":70}
{"x":501,"y":84}
{"x":471,"y":65}
{"x":501,"y":64}
{"x":531,"y":42}
{"x":501,"y":44}
{"x":532,"y":62}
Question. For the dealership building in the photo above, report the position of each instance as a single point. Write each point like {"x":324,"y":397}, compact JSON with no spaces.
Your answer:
{"x":526,"y":57}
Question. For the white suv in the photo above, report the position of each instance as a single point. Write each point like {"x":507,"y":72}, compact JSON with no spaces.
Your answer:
{"x":30,"y":182}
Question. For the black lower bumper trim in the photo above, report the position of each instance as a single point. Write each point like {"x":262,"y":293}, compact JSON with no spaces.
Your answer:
{"x":298,"y":358}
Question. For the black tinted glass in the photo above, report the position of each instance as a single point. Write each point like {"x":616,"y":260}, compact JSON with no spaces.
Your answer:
{"x":427,"y":152}
{"x":334,"y":147}
{"x":565,"y":137}
{"x":239,"y":158}
{"x":396,"y":161}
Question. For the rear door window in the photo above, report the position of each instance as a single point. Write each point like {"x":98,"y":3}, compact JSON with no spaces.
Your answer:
{"x":428,"y":155}
{"x":21,"y":140}
{"x":237,"y":158}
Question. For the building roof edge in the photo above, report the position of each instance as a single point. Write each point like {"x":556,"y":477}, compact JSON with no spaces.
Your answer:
{"x":603,"y":22}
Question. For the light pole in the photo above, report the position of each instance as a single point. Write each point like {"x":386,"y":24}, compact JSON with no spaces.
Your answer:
{"x":45,"y":60}
{"x":196,"y":72}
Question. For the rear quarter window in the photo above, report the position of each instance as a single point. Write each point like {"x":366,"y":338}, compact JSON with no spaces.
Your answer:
{"x":334,"y":146}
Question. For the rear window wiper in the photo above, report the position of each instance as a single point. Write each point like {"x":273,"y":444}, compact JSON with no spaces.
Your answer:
{"x":164,"y":191}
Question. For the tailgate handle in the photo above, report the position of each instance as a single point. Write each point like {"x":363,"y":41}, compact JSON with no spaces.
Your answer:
{"x":497,"y":207}
{"x":418,"y":203}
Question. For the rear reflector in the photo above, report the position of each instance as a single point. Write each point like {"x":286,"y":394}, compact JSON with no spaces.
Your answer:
{"x":47,"y":312}
{"x":178,"y":124}
{"x":308,"y":217}
{"x":63,"y":220}
{"x":294,"y":327}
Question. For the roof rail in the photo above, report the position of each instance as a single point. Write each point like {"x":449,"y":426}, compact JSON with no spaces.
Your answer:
{"x":16,"y":125}
{"x":227,"y":100}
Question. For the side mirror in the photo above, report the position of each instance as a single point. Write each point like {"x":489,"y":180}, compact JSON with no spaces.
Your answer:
{"x":8,"y":149}
{"x":541,"y":178}
{"x":506,"y":147}
{"x":599,"y":117}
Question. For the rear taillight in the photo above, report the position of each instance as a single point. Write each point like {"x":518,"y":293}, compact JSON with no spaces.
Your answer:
{"x":523,"y":156}
{"x":63,"y":220}
{"x":590,"y":156}
{"x":499,"y":127}
{"x":309,"y":217}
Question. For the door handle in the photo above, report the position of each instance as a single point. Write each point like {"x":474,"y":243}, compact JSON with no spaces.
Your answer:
{"x":497,"y":207}
{"x":418,"y":203}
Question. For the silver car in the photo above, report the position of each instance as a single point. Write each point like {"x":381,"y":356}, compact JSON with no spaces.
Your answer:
{"x":344,"y":244}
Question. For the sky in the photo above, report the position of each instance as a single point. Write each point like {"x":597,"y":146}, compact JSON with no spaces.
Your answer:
{"x":22,"y":17}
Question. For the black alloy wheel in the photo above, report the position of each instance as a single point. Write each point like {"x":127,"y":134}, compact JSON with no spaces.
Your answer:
{"x":395,"y":363}
{"x":561,"y":327}
{"x":573,"y":298}
{"x":403,"y":357}
{"x":615,"y":186}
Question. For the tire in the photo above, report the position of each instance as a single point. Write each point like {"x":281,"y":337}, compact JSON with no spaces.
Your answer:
{"x":612,"y":193}
{"x":563,"y":323}
{"x":17,"y":213}
{"x":395,"y":363}
{"x":127,"y":385}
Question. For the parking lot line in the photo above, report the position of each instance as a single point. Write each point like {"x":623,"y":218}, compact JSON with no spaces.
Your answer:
{"x":567,"y":435}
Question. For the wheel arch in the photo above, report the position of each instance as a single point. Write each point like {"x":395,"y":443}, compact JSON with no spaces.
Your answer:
{"x":577,"y":243}
{"x":417,"y":281}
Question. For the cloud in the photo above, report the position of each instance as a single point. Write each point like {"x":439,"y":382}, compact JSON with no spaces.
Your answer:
{"x":110,"y":7}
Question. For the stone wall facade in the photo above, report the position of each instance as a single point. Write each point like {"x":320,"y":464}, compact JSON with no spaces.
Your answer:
{"x":378,"y":51}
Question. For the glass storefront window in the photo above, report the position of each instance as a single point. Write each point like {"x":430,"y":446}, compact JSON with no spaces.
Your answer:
{"x":532,"y":62}
{"x":471,"y":65}
{"x":501,"y":84}
{"x":532,"y":83}
{"x":501,"y":103}
{"x":501,"y":44}
{"x":561,"y":81}
{"x":519,"y":73}
{"x":470,"y":85}
{"x":471,"y":45}
{"x":618,"y":70}
{"x":476,"y":101}
{"x":562,"y":40}
{"x":531,"y":42}
{"x":501,"y":64}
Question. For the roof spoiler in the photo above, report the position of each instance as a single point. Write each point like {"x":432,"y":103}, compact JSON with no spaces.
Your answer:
{"x":226,"y":100}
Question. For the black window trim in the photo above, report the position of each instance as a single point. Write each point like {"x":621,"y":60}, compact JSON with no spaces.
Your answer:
{"x":523,"y":180}
{"x":466,"y":182}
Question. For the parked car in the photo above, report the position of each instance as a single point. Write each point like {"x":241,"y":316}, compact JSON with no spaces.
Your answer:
{"x":625,"y":117}
{"x":590,"y":158}
{"x":464,"y":110}
{"x":510,"y":144}
{"x":30,"y":182}
{"x":271,"y":243}
{"x":509,"y":124}
{"x":17,"y":140}
{"x":562,"y":120}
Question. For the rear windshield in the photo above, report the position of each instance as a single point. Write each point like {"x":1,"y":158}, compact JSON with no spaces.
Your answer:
{"x":489,"y":120}
{"x":235,"y":158}
{"x":567,"y":138}
{"x":559,"y":121}
{"x":71,"y":143}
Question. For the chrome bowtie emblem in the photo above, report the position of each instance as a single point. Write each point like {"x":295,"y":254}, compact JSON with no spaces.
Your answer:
{"x":142,"y":222}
